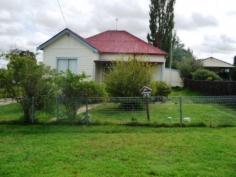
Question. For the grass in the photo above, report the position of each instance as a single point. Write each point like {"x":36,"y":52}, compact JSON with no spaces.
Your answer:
{"x":169,"y":114}
{"x":48,"y":151}
{"x":13,"y":112}
{"x":10,"y":112}
{"x":183,"y":92}
{"x":121,"y":150}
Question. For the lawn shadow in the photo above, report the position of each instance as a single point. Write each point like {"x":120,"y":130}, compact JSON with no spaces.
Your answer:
{"x":7,"y":127}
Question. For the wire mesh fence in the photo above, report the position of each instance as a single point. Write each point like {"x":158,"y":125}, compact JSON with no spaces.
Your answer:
{"x":160,"y":111}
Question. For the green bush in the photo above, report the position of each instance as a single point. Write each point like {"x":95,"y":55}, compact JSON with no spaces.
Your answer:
{"x":187,"y":66}
{"x":204,"y":74}
{"x":126,"y":78}
{"x":74,"y":89}
{"x":25,"y":79}
{"x":160,"y":88}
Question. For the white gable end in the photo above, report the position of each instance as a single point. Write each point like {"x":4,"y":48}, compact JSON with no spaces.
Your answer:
{"x":68,"y":47}
{"x":212,"y":62}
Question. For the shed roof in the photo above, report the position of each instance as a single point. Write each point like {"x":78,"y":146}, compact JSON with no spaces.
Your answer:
{"x":212,"y":62}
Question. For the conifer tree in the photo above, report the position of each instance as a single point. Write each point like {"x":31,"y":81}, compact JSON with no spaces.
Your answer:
{"x":161,"y":24}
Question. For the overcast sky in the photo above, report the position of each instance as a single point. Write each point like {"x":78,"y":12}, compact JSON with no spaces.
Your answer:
{"x":208,"y":27}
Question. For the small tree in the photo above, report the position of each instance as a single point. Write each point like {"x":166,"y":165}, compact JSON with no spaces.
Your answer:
{"x":74,"y":88}
{"x":24,"y":80}
{"x":126,"y":78}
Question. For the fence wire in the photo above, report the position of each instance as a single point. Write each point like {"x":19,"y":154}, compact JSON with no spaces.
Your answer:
{"x":164,"y":111}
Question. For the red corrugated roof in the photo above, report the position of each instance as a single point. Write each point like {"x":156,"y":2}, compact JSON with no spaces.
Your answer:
{"x":122,"y":42}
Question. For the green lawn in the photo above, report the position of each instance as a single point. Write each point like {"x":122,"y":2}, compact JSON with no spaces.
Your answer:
{"x":121,"y":150}
{"x":106,"y":151}
{"x":165,"y":114}
{"x":168,"y":114}
{"x":183,"y":92}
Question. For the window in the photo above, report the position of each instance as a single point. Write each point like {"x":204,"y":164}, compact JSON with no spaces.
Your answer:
{"x":65,"y":64}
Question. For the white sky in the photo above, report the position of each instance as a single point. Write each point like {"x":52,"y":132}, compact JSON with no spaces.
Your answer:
{"x":206,"y":26}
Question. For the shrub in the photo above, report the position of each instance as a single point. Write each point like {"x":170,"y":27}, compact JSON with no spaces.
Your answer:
{"x":126,"y":78}
{"x":188,"y":66}
{"x":160,"y":88}
{"x":204,"y":74}
{"x":74,"y":88}
{"x":25,"y":79}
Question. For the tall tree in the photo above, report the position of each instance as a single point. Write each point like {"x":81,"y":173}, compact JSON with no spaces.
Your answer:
{"x":180,"y":52}
{"x":161,"y":24}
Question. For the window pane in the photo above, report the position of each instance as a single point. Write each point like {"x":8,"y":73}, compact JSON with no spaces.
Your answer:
{"x":62,"y":65}
{"x":73,"y":65}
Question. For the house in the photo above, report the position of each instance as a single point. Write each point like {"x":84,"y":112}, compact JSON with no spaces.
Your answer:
{"x":93,"y":55}
{"x":220,"y":67}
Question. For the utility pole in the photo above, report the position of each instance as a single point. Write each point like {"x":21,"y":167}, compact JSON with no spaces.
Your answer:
{"x":171,"y":58}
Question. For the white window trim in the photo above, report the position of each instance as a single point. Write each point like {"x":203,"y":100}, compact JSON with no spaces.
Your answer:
{"x":67,"y":58}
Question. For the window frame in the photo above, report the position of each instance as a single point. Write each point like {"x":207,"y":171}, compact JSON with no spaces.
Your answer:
{"x":68,"y":59}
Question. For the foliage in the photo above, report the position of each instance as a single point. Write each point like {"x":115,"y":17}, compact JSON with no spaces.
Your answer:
{"x":74,"y":88}
{"x":160,"y":88}
{"x":126,"y":78}
{"x":161,"y":24}
{"x":187,"y":66}
{"x":180,"y":53}
{"x":204,"y":74}
{"x":27,"y":82}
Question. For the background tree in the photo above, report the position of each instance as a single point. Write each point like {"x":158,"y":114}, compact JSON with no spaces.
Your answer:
{"x":180,"y":53}
{"x":25,"y":79}
{"x":161,"y":24}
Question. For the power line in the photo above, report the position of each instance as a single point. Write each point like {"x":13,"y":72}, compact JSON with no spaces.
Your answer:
{"x":62,"y":14}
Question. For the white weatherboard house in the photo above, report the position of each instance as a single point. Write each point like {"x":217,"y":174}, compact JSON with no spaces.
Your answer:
{"x":67,"y":50}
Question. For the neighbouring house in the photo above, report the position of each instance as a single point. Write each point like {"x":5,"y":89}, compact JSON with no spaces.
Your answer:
{"x":220,"y":67}
{"x":93,"y":55}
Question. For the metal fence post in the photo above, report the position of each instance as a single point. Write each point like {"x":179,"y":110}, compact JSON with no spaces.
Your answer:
{"x":57,"y":108}
{"x":181,"y":111}
{"x":32,"y":110}
{"x":87,"y":113}
{"x":147,"y":109}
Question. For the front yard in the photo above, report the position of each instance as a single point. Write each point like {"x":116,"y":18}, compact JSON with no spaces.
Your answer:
{"x":43,"y":151}
{"x":166,"y":114}
{"x":111,"y":147}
